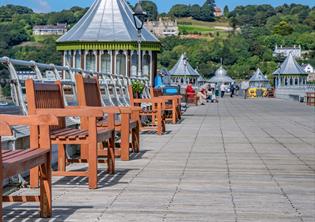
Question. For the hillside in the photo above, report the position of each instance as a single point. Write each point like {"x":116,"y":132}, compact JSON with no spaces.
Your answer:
{"x":191,"y":28}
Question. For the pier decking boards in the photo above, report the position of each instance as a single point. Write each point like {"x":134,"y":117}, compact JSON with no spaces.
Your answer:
{"x":238,"y":160}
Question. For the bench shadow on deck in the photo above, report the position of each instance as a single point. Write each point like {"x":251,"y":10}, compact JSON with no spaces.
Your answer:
{"x":18,"y":212}
{"x":104,"y":179}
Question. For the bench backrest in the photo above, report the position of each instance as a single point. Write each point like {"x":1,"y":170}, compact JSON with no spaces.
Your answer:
{"x":88,"y":91}
{"x":45,"y":95}
{"x":155,"y":92}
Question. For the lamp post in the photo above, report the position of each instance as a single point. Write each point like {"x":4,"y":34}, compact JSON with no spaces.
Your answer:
{"x":139,"y":17}
{"x":185,"y":69}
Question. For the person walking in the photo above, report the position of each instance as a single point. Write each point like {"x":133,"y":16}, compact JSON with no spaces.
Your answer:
{"x":232,"y":88}
{"x":222,"y":88}
{"x":244,"y":87}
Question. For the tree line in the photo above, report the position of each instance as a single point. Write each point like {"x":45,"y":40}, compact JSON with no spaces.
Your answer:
{"x":261,"y":28}
{"x":257,"y":29}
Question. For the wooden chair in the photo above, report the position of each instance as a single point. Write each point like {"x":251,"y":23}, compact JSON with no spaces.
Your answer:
{"x":89,"y":95}
{"x":172,"y":104}
{"x":156,"y":113}
{"x":192,"y":98}
{"x":43,"y":98}
{"x":38,"y":155}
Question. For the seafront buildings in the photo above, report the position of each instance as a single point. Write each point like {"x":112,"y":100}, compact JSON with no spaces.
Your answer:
{"x":183,"y":73}
{"x":58,"y":29}
{"x":281,"y":51}
{"x":105,"y":40}
{"x":164,"y":27}
{"x":221,"y":76}
{"x":258,"y":80}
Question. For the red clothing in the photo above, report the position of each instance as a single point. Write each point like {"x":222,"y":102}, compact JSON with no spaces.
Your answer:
{"x":190,"y":89}
{"x":203,"y":91}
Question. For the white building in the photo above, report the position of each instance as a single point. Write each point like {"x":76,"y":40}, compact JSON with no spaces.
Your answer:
{"x":308,"y":68}
{"x":58,"y":29}
{"x":163,"y":28}
{"x":296,"y":51}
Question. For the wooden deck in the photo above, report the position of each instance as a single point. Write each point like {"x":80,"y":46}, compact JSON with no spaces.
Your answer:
{"x":238,"y":160}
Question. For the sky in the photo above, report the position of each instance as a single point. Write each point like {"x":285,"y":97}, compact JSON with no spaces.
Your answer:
{"x":163,"y":5}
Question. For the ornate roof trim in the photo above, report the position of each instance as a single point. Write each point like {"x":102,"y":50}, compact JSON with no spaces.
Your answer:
{"x":107,"y":21}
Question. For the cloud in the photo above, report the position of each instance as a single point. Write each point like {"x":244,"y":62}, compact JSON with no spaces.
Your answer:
{"x":42,"y":6}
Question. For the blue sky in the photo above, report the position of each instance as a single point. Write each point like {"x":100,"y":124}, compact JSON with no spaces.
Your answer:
{"x":163,"y":5}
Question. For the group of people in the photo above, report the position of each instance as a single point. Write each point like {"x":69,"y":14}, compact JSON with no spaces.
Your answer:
{"x":209,"y":92}
{"x":205,"y":94}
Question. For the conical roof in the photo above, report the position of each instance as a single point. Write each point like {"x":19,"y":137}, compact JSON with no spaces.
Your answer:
{"x":221,"y":76}
{"x":289,"y":66}
{"x":258,"y":77}
{"x":183,"y":68}
{"x":107,"y":21}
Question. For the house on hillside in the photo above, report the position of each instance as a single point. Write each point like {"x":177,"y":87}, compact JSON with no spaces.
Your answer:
{"x":58,"y":29}
{"x":311,"y":72}
{"x":308,"y":68}
{"x":217,"y":12}
{"x":296,"y":51}
{"x":163,"y":28}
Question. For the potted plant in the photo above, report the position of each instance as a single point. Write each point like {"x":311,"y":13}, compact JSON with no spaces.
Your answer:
{"x":137,"y":88}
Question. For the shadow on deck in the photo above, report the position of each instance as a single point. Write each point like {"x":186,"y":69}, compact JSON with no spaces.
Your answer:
{"x":19,"y":212}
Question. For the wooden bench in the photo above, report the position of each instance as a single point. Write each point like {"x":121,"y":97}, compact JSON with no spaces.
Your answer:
{"x":310,"y":98}
{"x":44,"y":98}
{"x":172,"y":104}
{"x":89,"y":95}
{"x":191,"y":98}
{"x":154,"y":112}
{"x":271,"y":93}
{"x":19,"y":161}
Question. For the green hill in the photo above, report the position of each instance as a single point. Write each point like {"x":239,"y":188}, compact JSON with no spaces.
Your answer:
{"x":189,"y":26}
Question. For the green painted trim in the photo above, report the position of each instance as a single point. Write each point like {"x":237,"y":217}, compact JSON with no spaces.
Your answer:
{"x":149,"y":46}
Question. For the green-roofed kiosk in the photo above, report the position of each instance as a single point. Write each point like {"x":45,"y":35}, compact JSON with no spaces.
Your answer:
{"x":105,"y":40}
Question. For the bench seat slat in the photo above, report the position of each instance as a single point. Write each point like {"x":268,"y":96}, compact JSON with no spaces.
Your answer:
{"x":26,"y":159}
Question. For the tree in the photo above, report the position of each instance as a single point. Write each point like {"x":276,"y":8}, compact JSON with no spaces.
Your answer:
{"x":151,"y":9}
{"x":195,"y":11}
{"x":180,"y":10}
{"x":283,"y":28}
{"x":226,"y":11}
{"x":207,"y":11}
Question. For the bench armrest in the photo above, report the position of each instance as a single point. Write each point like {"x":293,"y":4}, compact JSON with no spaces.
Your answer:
{"x":152,"y":100}
{"x":5,"y":129}
{"x":80,"y":112}
{"x":30,"y":120}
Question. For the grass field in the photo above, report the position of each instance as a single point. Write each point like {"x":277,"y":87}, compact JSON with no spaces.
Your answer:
{"x":192,"y":22}
{"x":208,"y":30}
{"x":194,"y":29}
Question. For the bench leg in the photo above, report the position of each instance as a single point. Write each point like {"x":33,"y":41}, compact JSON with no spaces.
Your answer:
{"x":111,"y":155}
{"x":124,"y":140}
{"x":92,"y":164}
{"x":174,"y":114}
{"x":61,"y":157}
{"x":34,"y":181}
{"x":1,"y":188}
{"x":45,"y":189}
{"x":159,"y":123}
{"x":135,"y":135}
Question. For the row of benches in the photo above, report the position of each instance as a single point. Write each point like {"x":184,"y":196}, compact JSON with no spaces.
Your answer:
{"x":95,"y":134}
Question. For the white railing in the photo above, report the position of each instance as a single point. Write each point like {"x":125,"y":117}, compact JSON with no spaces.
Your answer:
{"x":63,"y":73}
{"x":307,"y":88}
